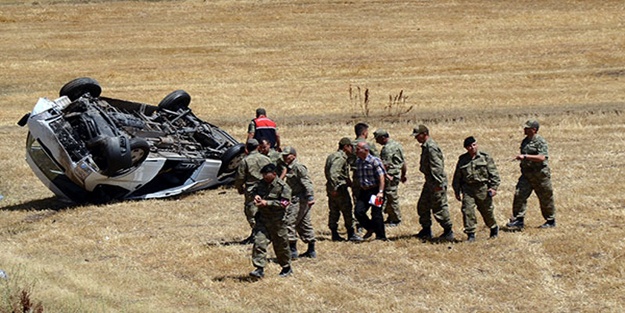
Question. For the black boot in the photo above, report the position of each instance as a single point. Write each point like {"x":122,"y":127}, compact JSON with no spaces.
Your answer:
{"x":494,"y":232}
{"x":548,"y":224}
{"x":471,"y":237}
{"x":310,"y":253}
{"x":336,"y":236}
{"x":425,"y":233}
{"x":516,"y":222}
{"x":293,"y":247}
{"x":352,"y":236}
{"x":259,"y":272}
{"x":447,"y":235}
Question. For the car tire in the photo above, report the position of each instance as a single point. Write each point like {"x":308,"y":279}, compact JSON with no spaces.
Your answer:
{"x":80,"y":87}
{"x":139,"y":150}
{"x":230,"y":160}
{"x":175,"y":101}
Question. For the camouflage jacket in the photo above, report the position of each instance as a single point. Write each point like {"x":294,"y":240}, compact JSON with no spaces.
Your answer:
{"x":534,"y":146}
{"x":337,"y":170}
{"x":392,"y":156}
{"x":299,"y":181}
{"x":480,"y":170}
{"x":248,"y":172}
{"x":277,"y":194}
{"x":432,"y":163}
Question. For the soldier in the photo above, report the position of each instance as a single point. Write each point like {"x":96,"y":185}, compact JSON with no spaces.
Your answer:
{"x":371,"y":174}
{"x":475,"y":184}
{"x":263,"y":127}
{"x":248,"y":174}
{"x":339,"y":200}
{"x":265,"y":148}
{"x":302,"y":199}
{"x":433,"y":199}
{"x":392,"y":156}
{"x":535,"y":176}
{"x":271,"y":196}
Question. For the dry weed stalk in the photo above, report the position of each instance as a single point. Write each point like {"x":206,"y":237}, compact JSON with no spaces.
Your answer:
{"x":397,"y":105}
{"x":357,"y":99}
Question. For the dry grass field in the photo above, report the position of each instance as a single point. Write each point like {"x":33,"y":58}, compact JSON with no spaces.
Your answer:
{"x":474,"y":67}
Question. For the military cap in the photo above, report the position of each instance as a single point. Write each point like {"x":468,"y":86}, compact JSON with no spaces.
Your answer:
{"x":288,"y":150}
{"x":380,"y":133}
{"x":269,"y":168}
{"x":252,"y":142}
{"x":420,"y":129}
{"x":345,"y":141}
{"x":531,"y":124}
{"x":469,"y":141}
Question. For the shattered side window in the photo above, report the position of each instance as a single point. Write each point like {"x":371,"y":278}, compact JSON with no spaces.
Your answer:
{"x":41,"y":158}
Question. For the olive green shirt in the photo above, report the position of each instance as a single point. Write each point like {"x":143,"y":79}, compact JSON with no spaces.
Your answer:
{"x":248,"y":172}
{"x":336,"y":170}
{"x":432,"y":163}
{"x":299,"y":181}
{"x":392,"y":156}
{"x":480,"y":170}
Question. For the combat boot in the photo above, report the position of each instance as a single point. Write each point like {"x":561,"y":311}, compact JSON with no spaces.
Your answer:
{"x":336,"y":236}
{"x":293,"y":248}
{"x":259,"y":272}
{"x":516,"y":222}
{"x":286,"y":271}
{"x":494,"y":232}
{"x":548,"y":224}
{"x":447,"y":235}
{"x":310,"y":253}
{"x":425,"y":233}
{"x":352,"y":236}
{"x":471,"y":237}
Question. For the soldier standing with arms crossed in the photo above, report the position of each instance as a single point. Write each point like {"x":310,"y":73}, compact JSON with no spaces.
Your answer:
{"x":392,"y":156}
{"x":475,"y":184}
{"x":535,"y":176}
{"x":433,"y":199}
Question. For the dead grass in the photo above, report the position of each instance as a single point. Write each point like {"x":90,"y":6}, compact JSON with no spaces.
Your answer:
{"x":468,"y":68}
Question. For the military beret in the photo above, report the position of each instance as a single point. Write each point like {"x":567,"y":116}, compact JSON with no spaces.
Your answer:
{"x":469,"y":141}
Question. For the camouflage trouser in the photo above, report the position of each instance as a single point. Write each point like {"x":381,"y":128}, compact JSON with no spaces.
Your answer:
{"x":341,"y":203}
{"x":298,"y":220}
{"x":271,"y":227}
{"x":540,"y":182}
{"x":250,"y":209}
{"x":472,"y":196}
{"x":392,"y":200}
{"x":435,"y":203}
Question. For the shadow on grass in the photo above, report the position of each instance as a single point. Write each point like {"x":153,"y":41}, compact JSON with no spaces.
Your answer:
{"x":51,"y":203}
{"x":236,"y":278}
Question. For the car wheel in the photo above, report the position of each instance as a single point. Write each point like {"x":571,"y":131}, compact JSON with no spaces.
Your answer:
{"x":80,"y":87}
{"x":176,"y":100}
{"x":231,"y":158}
{"x":139,"y":150}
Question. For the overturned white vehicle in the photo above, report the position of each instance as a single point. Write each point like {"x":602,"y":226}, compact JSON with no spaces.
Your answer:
{"x":88,"y":148}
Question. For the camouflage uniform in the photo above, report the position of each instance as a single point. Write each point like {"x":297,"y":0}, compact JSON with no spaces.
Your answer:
{"x":392,"y":156}
{"x":472,"y":179}
{"x":298,"y":212}
{"x":535,"y":176}
{"x":432,"y":165}
{"x":337,"y":176}
{"x":248,"y":174}
{"x":271,"y":226}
